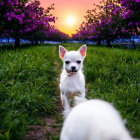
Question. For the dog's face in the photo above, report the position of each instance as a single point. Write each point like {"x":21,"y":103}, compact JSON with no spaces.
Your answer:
{"x":72,"y":60}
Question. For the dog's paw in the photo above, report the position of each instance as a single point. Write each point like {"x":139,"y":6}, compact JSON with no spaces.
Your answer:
{"x":78,"y":100}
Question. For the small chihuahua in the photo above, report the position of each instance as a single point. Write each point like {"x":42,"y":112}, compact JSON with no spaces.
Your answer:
{"x":72,"y":80}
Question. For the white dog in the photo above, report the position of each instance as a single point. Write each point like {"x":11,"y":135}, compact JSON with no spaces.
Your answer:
{"x":94,"y":120}
{"x":72,"y":80}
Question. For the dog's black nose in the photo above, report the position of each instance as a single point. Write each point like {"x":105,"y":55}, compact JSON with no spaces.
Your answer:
{"x":73,"y":68}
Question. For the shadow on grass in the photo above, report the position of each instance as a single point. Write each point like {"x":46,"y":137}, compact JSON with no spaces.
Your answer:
{"x":11,"y":46}
{"x":23,"y":46}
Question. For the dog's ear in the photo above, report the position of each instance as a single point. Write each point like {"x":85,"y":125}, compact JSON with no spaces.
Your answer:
{"x":62,"y":52}
{"x":83,"y":50}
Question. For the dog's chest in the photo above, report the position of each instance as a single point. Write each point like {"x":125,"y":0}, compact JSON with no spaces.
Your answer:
{"x":73,"y":84}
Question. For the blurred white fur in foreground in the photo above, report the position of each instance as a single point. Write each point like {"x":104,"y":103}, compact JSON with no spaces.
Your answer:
{"x":94,"y":120}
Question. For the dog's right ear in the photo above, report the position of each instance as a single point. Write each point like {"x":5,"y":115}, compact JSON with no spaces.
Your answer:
{"x":62,"y":52}
{"x":83,"y":50}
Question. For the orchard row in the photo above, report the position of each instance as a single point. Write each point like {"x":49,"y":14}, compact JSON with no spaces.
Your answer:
{"x":111,"y":19}
{"x":28,"y":20}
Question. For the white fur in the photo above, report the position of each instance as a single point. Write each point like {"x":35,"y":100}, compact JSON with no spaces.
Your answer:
{"x":94,"y":120}
{"x":71,"y":85}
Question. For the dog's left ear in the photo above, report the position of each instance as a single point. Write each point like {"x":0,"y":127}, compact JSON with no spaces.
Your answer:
{"x":83,"y":50}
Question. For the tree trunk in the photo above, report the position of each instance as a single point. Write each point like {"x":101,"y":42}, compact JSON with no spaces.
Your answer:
{"x":134,"y":45}
{"x":17,"y":42}
{"x":32,"y":42}
{"x":8,"y":40}
{"x":108,"y":43}
{"x":36,"y":42}
{"x":99,"y":42}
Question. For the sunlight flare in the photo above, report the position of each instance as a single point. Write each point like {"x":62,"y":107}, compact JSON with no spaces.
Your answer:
{"x":70,"y":20}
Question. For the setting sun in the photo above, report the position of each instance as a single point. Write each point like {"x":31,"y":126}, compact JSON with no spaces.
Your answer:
{"x":70,"y":21}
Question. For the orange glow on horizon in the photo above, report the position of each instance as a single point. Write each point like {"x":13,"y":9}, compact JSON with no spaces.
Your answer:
{"x":70,"y":13}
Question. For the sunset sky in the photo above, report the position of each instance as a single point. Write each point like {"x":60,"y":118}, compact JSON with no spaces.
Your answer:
{"x":70,"y":13}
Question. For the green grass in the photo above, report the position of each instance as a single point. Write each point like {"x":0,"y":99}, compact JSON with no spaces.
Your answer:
{"x":114,"y":75}
{"x":28,"y":85}
{"x":27,"y":89}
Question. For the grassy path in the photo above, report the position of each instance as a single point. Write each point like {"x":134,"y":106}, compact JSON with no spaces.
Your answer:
{"x":51,"y":126}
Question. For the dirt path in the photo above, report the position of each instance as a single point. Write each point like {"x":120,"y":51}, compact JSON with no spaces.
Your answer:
{"x":50,"y":126}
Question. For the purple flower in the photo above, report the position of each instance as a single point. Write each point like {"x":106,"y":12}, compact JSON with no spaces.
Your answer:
{"x":110,"y":6}
{"x":15,"y":2}
{"x":15,"y":10}
{"x":137,"y":23}
{"x":19,"y":10}
{"x":20,"y":20}
{"x":12,"y":14}
{"x":20,"y":31}
{"x":2,"y":3}
{"x":130,"y":23}
{"x":9,"y":1}
{"x":127,"y":14}
{"x":90,"y":37}
{"x":122,"y":2}
{"x":114,"y":12}
{"x":20,"y":3}
{"x":22,"y":15}
{"x":9,"y":18}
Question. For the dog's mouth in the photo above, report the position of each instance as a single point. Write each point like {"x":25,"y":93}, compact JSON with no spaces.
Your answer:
{"x":71,"y":73}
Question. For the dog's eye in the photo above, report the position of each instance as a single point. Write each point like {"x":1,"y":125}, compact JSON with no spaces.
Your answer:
{"x":67,"y":62}
{"x":78,"y":61}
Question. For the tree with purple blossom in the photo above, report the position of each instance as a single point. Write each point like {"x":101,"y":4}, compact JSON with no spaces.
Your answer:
{"x":131,"y":16}
{"x":110,"y":20}
{"x":20,"y":17}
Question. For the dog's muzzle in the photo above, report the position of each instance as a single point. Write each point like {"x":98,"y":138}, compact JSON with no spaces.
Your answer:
{"x":71,"y":73}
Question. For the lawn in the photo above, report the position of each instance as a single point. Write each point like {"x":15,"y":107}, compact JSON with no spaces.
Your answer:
{"x":28,"y":84}
{"x":27,"y":91}
{"x":114,"y":75}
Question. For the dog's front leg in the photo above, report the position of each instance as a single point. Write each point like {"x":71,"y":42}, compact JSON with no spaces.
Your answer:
{"x":82,"y":95}
{"x":66,"y":103}
{"x":61,"y":96}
